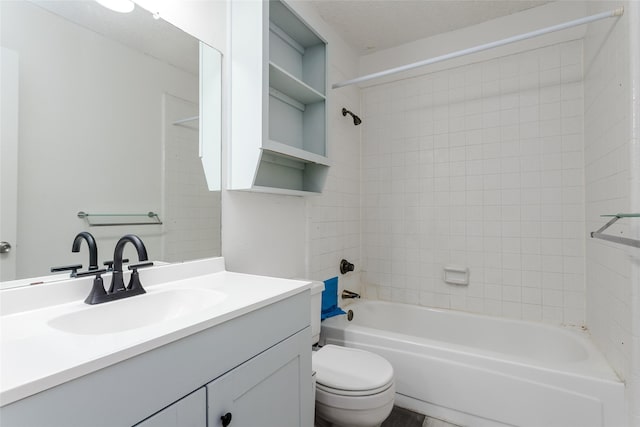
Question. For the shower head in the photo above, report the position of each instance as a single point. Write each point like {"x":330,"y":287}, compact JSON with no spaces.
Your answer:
{"x":356,"y":119}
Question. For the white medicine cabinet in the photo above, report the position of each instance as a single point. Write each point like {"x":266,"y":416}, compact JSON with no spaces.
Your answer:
{"x":278,"y":101}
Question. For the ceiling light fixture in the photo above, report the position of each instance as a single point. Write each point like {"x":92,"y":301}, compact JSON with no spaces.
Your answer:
{"x":122,"y":6}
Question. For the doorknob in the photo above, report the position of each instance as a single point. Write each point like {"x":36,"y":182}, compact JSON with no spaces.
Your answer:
{"x":5,"y":247}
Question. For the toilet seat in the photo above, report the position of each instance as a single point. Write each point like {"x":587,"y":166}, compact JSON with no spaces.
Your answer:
{"x":356,"y":393}
{"x":351,"y":372}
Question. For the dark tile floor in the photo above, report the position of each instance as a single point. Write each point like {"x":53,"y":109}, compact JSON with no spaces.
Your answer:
{"x":401,"y":417}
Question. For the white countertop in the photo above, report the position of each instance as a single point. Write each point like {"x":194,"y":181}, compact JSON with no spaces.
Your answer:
{"x":35,"y":356}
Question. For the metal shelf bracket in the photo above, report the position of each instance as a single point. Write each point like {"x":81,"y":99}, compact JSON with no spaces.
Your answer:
{"x":616,"y":239}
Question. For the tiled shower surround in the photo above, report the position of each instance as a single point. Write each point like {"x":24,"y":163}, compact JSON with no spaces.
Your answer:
{"x":480,"y":166}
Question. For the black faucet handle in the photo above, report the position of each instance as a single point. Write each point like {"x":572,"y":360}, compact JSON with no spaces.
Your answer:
{"x":140,"y":265}
{"x":109,"y":264}
{"x":73,"y":268}
{"x":98,"y":294}
{"x":96,"y":273}
{"x":346,"y":266}
{"x":134,"y":282}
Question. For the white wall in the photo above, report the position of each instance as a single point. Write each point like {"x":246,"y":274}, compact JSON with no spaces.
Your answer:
{"x":633,"y":8}
{"x":74,"y":145}
{"x":611,"y":172}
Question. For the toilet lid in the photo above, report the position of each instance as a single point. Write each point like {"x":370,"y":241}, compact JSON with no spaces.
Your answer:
{"x":345,"y":368}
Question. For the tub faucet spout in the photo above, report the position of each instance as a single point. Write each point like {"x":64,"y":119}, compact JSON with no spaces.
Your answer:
{"x":349,"y":294}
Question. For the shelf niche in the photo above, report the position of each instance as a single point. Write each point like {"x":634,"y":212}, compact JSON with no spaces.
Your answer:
{"x":292,"y":154}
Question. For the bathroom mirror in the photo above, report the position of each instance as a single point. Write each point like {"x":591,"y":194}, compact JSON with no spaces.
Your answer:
{"x":102,"y":114}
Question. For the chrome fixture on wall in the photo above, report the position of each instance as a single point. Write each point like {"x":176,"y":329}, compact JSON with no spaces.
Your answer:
{"x":356,"y":119}
{"x":349,"y":294}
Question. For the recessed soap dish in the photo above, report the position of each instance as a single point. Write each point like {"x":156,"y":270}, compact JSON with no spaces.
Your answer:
{"x":456,"y":275}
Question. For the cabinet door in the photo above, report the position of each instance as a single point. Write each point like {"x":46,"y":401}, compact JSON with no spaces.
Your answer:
{"x":271,"y":390}
{"x":189,"y":411}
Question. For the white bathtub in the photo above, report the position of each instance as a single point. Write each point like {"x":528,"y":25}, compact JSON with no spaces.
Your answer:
{"x":480,"y":371}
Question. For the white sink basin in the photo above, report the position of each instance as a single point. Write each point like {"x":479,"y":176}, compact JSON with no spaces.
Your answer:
{"x":136,"y":312}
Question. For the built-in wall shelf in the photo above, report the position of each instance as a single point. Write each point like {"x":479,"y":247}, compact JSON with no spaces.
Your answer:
{"x":278,"y":101}
{"x":281,"y":172}
{"x":283,"y":191}
{"x":282,"y":81}
{"x":296,"y":153}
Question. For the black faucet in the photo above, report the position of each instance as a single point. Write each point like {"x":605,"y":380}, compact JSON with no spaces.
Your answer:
{"x":117,"y":284}
{"x":117,"y":290}
{"x":93,"y":248}
{"x":75,"y":247}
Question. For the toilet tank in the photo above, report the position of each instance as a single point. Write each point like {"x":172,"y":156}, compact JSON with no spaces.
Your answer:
{"x":316,"y":307}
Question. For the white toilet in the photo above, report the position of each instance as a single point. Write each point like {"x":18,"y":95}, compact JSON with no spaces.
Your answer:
{"x":353,"y":388}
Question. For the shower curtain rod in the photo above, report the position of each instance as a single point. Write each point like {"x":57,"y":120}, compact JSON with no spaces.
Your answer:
{"x":609,"y":14}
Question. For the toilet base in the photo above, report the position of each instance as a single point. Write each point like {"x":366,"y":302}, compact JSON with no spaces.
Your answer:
{"x":337,"y":417}
{"x":319,"y":422}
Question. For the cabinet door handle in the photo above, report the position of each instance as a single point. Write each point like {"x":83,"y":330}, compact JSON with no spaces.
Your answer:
{"x":226,"y":419}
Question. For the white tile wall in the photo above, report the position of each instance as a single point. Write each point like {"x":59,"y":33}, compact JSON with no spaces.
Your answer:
{"x":333,"y":218}
{"x":479,"y":166}
{"x":612,"y":289}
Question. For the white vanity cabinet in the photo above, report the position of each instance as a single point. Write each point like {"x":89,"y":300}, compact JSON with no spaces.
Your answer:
{"x":190,"y":411}
{"x":257,"y":366}
{"x":278,"y":100}
{"x":265,"y":391}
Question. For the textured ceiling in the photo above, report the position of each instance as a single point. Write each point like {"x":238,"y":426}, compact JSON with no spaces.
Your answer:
{"x":371,"y":25}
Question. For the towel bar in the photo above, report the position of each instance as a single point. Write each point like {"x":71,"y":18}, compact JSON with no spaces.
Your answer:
{"x":154,"y":219}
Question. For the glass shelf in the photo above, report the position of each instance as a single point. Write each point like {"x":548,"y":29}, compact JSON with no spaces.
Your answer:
{"x":113,"y":219}
{"x":616,"y":239}
{"x":623,"y":215}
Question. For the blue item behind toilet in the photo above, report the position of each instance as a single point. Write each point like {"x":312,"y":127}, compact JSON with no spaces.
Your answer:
{"x":330,"y":299}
